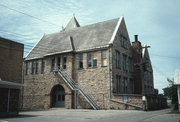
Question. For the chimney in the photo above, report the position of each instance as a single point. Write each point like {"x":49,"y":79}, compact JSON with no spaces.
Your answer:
{"x":136,"y":38}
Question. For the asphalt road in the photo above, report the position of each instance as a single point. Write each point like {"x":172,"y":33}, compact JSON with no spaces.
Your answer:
{"x":83,"y":115}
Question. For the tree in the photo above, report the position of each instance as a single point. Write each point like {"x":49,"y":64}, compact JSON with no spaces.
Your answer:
{"x":171,"y":93}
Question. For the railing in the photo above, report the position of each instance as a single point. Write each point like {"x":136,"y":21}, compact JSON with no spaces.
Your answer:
{"x":74,"y":86}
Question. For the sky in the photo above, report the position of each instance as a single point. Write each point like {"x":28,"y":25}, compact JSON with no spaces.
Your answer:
{"x":157,"y":22}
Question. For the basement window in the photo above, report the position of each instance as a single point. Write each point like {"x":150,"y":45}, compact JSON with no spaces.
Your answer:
{"x":118,"y":83}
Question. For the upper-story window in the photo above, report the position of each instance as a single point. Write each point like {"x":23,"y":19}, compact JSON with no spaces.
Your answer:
{"x":34,"y":68}
{"x":64,"y":62}
{"x":80,"y":60}
{"x":130,"y":64}
{"x":124,"y":62}
{"x":42,"y":66}
{"x":26,"y":67}
{"x":52,"y":63}
{"x":118,"y":59}
{"x":92,"y":59}
{"x":104,"y":58}
{"x":124,"y":42}
{"x":58,"y":62}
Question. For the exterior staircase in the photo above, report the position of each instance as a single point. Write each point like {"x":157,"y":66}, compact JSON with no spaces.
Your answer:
{"x":76,"y":87}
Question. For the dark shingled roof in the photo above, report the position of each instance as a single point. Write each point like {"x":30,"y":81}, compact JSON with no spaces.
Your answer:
{"x":83,"y":38}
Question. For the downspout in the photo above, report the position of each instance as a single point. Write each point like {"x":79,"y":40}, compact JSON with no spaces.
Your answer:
{"x":110,"y":69}
{"x":22,"y":88}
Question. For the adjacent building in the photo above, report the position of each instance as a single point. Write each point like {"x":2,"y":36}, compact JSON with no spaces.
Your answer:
{"x":93,"y":66}
{"x":11,"y":61}
{"x":177,"y":83}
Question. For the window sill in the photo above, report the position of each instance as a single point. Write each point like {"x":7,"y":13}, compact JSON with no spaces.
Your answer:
{"x":91,"y":67}
{"x":80,"y":68}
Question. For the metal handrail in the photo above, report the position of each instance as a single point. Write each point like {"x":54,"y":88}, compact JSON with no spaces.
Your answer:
{"x":79,"y":87}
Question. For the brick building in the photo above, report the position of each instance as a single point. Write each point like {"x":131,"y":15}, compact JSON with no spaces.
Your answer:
{"x":84,"y":67}
{"x":11,"y":60}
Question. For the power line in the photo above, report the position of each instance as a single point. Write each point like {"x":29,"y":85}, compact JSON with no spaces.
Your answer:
{"x":157,"y":55}
{"x":29,"y":15}
{"x":18,"y":35}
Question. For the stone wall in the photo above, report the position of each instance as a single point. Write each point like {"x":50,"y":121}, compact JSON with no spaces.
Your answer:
{"x":127,"y":101}
{"x":118,"y":46}
{"x":37,"y":90}
{"x":95,"y":80}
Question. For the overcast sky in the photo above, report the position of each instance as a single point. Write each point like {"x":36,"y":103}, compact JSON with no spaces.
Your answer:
{"x":157,"y":22}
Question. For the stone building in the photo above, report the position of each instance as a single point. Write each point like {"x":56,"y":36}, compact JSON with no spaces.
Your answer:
{"x":83,"y":67}
{"x":143,"y":72}
{"x":177,"y":84}
{"x":11,"y":60}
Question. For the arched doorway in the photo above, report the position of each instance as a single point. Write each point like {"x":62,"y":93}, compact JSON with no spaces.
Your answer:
{"x":58,"y":96}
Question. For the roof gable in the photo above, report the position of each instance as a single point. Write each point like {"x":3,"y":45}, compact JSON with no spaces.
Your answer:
{"x":145,"y":56}
{"x":83,"y":38}
{"x":73,"y":23}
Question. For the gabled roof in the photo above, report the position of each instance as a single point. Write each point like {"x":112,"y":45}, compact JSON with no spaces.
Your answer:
{"x":73,"y":23}
{"x":92,"y":36}
{"x":145,"y":55}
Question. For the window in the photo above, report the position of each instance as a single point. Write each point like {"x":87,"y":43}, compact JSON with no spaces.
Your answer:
{"x":58,"y":62}
{"x":80,"y":60}
{"x":95,"y":59}
{"x":145,"y":89}
{"x":132,"y":85}
{"x":92,"y":59}
{"x":42,"y":66}
{"x":124,"y":42}
{"x":64,"y":62}
{"x":118,"y":83}
{"x":124,"y":62}
{"x":34,"y":68}
{"x":125,"y":85}
{"x":130,"y":64}
{"x":26,"y":68}
{"x":118,"y":59}
{"x":114,"y":86}
{"x":104,"y":58}
{"x":52,"y":63}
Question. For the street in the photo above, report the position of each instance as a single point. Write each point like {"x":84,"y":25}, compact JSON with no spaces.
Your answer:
{"x":84,"y":115}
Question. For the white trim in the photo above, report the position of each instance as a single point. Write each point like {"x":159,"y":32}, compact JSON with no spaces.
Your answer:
{"x":116,"y":29}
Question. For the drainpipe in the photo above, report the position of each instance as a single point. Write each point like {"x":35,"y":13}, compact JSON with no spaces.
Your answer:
{"x":8,"y":100}
{"x":110,"y":69}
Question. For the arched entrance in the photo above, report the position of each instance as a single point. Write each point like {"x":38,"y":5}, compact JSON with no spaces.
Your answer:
{"x":58,"y":96}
